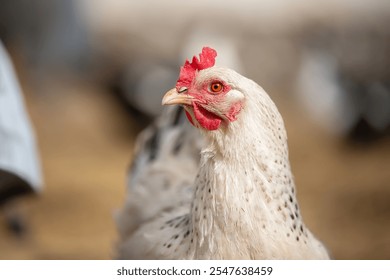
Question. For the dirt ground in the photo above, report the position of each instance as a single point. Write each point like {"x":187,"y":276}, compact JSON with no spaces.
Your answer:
{"x":86,"y":139}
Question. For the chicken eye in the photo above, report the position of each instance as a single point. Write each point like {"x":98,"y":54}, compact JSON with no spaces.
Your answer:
{"x":216,"y":87}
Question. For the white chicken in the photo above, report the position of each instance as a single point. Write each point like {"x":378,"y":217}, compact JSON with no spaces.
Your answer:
{"x":239,"y":202}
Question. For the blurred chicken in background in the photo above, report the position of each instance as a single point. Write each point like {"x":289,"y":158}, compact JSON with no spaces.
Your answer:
{"x":20,"y":170}
{"x":50,"y":37}
{"x":344,"y":79}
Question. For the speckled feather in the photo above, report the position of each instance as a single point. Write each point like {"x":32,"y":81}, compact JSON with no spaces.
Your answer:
{"x":237,"y":202}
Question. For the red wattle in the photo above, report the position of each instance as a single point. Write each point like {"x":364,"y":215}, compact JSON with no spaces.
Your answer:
{"x":205,"y":118}
{"x":189,"y":118}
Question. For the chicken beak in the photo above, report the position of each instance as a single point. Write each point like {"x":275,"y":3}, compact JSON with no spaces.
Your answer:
{"x":173,"y":97}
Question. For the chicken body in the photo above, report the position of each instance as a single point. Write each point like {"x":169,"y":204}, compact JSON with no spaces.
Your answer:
{"x":240,"y":202}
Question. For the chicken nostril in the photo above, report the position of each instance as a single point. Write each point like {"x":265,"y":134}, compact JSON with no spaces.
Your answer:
{"x":182,"y":89}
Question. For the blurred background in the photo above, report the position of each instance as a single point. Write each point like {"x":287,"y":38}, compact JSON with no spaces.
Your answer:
{"x":92,"y":74}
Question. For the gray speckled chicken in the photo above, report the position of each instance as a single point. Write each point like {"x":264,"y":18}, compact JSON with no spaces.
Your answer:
{"x":234,"y":198}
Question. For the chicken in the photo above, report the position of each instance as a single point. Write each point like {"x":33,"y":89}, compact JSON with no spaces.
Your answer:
{"x":238,"y":200}
{"x":343,"y":78}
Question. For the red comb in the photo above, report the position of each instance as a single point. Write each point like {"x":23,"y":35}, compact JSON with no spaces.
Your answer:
{"x":188,"y":70}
